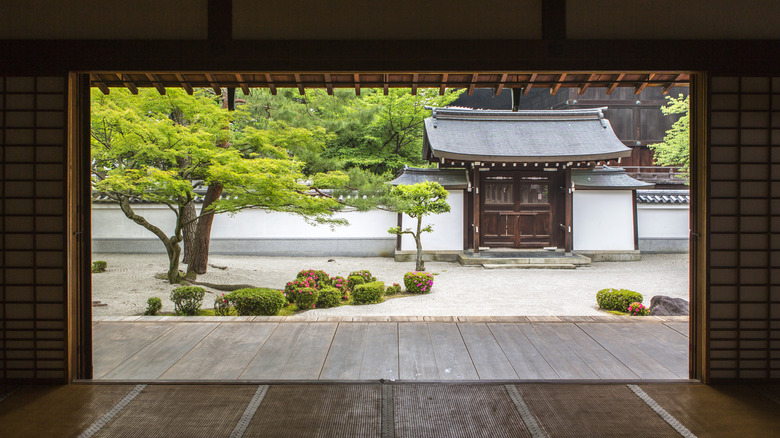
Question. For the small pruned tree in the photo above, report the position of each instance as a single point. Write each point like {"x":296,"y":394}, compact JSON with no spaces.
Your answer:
{"x":417,"y":201}
{"x":675,"y":150}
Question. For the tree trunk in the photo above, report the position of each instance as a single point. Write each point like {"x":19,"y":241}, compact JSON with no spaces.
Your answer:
{"x":200,"y":250}
{"x":174,"y":251}
{"x":418,"y":240}
{"x":189,"y":230}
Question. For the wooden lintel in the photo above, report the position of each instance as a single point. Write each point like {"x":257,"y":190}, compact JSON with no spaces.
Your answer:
{"x":414,"y":84}
{"x":500,"y":86}
{"x":585,"y":86}
{"x":356,"y":78}
{"x":301,"y":90}
{"x":529,"y":84}
{"x":614,"y":85}
{"x":156,"y":82}
{"x":214,"y":85}
{"x":184,"y":84}
{"x":386,"y":83}
{"x":98,"y":83}
{"x":669,"y":86}
{"x":558,"y":83}
{"x":129,"y":84}
{"x":270,"y":83}
{"x":243,"y":84}
{"x":443,"y":86}
{"x":329,"y":84}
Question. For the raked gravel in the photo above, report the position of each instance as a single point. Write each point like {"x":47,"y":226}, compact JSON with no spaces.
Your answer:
{"x":458,"y":290}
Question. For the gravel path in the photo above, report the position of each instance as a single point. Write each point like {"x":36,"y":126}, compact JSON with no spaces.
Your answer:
{"x":458,"y":290}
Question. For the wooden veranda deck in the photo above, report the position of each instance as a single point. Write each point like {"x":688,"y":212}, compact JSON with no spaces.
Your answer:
{"x":465,"y":349}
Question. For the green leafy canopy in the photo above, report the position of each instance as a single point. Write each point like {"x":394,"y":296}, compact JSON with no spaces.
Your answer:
{"x":675,"y":149}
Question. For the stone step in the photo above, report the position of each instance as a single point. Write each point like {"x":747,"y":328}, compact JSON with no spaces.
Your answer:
{"x":575,"y":259}
{"x":529,"y":266}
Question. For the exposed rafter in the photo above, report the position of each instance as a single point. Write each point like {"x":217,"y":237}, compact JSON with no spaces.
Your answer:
{"x":500,"y":86}
{"x":156,"y":82}
{"x":129,"y":84}
{"x":242,"y":83}
{"x":554,"y":89}
{"x":641,"y":86}
{"x":98,"y":83}
{"x":472,"y":84}
{"x":299,"y":84}
{"x":214,"y":84}
{"x":443,"y":85}
{"x":414,"y":84}
{"x":184,"y":84}
{"x":585,"y":85}
{"x":270,"y":83}
{"x":357,"y":83}
{"x":329,"y":84}
{"x":615,"y":84}
{"x":386,"y":84}
{"x":669,"y":86}
{"x":529,"y":84}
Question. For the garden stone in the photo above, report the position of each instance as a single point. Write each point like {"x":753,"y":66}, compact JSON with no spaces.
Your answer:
{"x":662,"y":305}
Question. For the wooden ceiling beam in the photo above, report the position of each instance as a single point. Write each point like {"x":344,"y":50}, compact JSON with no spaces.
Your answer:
{"x":585,"y":86}
{"x":669,"y":86}
{"x":557,"y":86}
{"x":270,"y":84}
{"x":356,"y":80}
{"x":242,"y":82}
{"x":214,"y":85}
{"x":500,"y":86}
{"x":156,"y":82}
{"x":129,"y":84}
{"x":184,"y":84}
{"x":614,"y":84}
{"x":443,"y":86}
{"x":329,"y":84}
{"x":100,"y":84}
{"x":301,"y":89}
{"x":529,"y":84}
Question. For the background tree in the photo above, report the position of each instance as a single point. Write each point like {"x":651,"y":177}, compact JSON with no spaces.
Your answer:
{"x":417,"y":201}
{"x":675,"y":149}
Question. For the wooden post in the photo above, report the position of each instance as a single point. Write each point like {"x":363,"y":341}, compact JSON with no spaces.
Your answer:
{"x":398,"y":237}
{"x":569,"y":212}
{"x":636,"y":226}
{"x":476,"y":209}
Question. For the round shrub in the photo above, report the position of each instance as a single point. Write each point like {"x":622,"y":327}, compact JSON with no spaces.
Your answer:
{"x":187,"y":299}
{"x":339,"y":283}
{"x":394,"y":289}
{"x":99,"y":266}
{"x":306,"y":298}
{"x":354,"y":280}
{"x":329,"y":297}
{"x":256,"y":301}
{"x":365,"y":273}
{"x":637,"y":309}
{"x":418,"y":282}
{"x":222,"y":305}
{"x":617,"y":299}
{"x":316,"y":278}
{"x":153,"y":305}
{"x":368,"y":293}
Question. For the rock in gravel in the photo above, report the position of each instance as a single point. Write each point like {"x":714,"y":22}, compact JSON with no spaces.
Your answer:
{"x":661,"y":305}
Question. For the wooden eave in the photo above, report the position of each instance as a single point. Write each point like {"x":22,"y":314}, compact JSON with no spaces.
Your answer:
{"x":553,"y":81}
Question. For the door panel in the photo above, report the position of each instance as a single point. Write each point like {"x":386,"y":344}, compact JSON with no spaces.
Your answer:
{"x":516,"y":211}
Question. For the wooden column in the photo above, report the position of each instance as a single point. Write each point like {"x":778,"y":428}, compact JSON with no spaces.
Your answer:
{"x":476,"y":208}
{"x":636,"y":226}
{"x":568,"y":211}
{"x":398,"y":237}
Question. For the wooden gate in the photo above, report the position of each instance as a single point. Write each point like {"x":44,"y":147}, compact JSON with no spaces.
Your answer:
{"x":516,"y":211}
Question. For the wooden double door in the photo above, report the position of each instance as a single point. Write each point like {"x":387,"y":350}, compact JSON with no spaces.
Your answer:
{"x":516,"y":210}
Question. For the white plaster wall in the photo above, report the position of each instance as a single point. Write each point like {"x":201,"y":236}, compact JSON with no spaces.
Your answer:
{"x":663,"y":221}
{"x":108,"y":221}
{"x":603,"y":220}
{"x":447,"y":227}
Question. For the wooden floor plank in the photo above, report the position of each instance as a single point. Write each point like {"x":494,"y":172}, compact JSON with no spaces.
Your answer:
{"x":416,"y":358}
{"x":345,"y":358}
{"x":309,"y":354}
{"x":526,"y":360}
{"x":599,"y":360}
{"x":156,"y":358}
{"x":380,"y":356}
{"x":223,"y":354}
{"x":668,"y":336}
{"x":489,"y":359}
{"x":672,"y":360}
{"x":619,"y":344}
{"x":452,"y":357}
{"x":680,"y":327}
{"x":113,"y":343}
{"x":273,"y":356}
{"x":561,"y":358}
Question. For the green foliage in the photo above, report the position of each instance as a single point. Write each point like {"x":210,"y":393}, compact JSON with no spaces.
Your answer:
{"x":368,"y":293}
{"x":354,"y":280}
{"x":339,"y":283}
{"x":675,"y":149}
{"x":637,"y":309}
{"x":365,"y":273}
{"x":222,"y":305}
{"x":187,"y":299}
{"x":314,"y":278}
{"x":306,"y":298}
{"x":394,"y":289}
{"x":617,"y":299}
{"x":256,"y":301}
{"x":153,"y":305}
{"x":99,"y":266}
{"x":418,"y":282}
{"x":329,"y":297}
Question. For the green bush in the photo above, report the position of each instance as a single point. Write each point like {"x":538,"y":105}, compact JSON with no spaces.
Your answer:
{"x":222,"y":305}
{"x":329,"y":297}
{"x":316,"y":278}
{"x":306,"y":298}
{"x":99,"y":266}
{"x":187,"y":299}
{"x":394,"y":289}
{"x":368,"y":293}
{"x":614,"y":299}
{"x":153,"y":305}
{"x":354,"y":280}
{"x":637,"y":309}
{"x":339,"y":283}
{"x":256,"y":301}
{"x":418,"y":282}
{"x":365,"y":273}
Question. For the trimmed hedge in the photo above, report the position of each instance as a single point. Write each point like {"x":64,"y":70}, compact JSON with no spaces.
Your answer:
{"x":365,"y":273}
{"x":368,"y":293}
{"x":256,"y":301}
{"x":99,"y":266}
{"x":354,"y":280}
{"x":306,"y":298}
{"x":329,"y":297}
{"x":418,"y":282}
{"x":617,"y":299}
{"x":154,"y":305}
{"x":316,"y":278}
{"x":187,"y":299}
{"x":393,"y":289}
